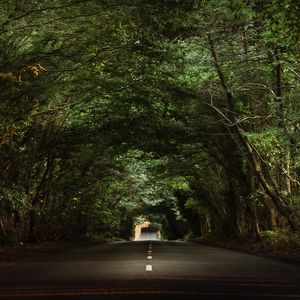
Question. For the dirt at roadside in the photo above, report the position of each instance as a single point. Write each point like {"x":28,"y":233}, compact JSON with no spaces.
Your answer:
{"x":22,"y":252}
{"x":256,"y":248}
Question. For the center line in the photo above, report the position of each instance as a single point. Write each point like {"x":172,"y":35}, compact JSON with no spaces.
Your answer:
{"x":149,"y":268}
{"x":149,"y":257}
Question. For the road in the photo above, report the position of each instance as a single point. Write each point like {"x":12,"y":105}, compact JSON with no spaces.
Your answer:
{"x":149,"y":270}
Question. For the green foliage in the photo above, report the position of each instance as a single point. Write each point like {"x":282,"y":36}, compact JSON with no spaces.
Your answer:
{"x":196,"y":207}
{"x":12,"y":199}
{"x":281,"y":240}
{"x":269,"y":143}
{"x":114,"y":109}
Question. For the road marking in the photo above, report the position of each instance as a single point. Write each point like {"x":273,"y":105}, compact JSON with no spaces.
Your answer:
{"x":149,"y":268}
{"x":149,"y":257}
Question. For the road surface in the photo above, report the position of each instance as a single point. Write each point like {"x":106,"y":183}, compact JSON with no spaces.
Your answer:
{"x":149,"y":270}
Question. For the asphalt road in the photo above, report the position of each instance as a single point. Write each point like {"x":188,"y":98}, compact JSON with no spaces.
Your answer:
{"x":149,"y":270}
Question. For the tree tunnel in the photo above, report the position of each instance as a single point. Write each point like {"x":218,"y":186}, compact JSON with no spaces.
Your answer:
{"x":163,"y":111}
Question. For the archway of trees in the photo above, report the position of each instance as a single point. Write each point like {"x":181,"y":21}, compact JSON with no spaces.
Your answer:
{"x":184,"y":109}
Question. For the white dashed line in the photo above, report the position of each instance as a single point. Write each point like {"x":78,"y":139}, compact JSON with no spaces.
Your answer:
{"x":149,"y":268}
{"x":149,"y":257}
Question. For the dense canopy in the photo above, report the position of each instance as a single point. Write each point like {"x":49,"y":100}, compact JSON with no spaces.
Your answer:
{"x":182,"y":112}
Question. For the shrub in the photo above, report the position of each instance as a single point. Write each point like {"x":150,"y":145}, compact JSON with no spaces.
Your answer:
{"x":282,"y":239}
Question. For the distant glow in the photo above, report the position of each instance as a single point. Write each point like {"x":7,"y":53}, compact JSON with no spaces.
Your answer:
{"x":146,"y":231}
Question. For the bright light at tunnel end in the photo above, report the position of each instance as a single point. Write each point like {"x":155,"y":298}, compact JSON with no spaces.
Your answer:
{"x":146,"y":231}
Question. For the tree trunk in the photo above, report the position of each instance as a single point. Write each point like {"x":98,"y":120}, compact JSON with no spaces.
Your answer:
{"x":285,"y":156}
{"x":235,"y":227}
{"x":254,"y":221}
{"x":251,"y":153}
{"x":2,"y":227}
{"x":270,"y":212}
{"x":32,"y":235}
